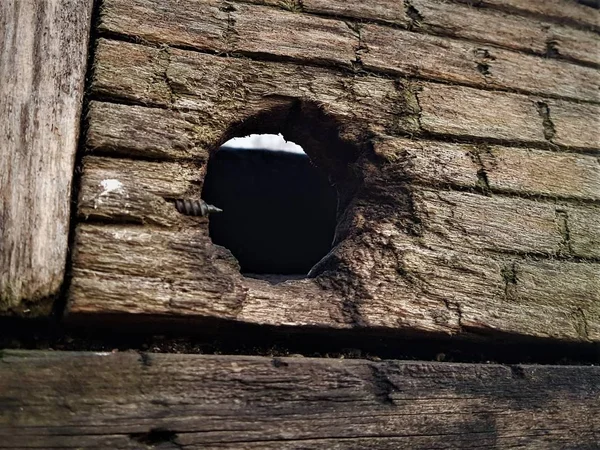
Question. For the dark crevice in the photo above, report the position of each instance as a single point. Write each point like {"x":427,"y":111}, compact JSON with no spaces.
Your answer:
{"x":382,"y":387}
{"x":161,"y":334}
{"x":552,"y":49}
{"x":414,"y":15}
{"x":562,"y":220}
{"x":544,"y":112}
{"x":155,"y":437}
{"x":509,"y":274}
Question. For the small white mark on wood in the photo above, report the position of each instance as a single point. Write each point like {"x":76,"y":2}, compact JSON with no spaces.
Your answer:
{"x":110,"y":186}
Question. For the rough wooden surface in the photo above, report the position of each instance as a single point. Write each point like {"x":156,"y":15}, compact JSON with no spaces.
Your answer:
{"x":43,"y":58}
{"x":505,"y":30}
{"x":334,"y":42}
{"x":513,"y":170}
{"x":558,"y":10}
{"x":464,"y":209}
{"x":167,"y":401}
{"x":225,"y":91}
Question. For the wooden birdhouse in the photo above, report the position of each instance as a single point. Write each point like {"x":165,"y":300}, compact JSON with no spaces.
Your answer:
{"x":423,"y":272}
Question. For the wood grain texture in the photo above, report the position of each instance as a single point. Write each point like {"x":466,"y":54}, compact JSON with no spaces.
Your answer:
{"x":522,"y":171}
{"x":139,"y":191}
{"x":457,"y":61}
{"x":226,"y":91}
{"x":454,"y":262}
{"x":320,"y":40}
{"x":43,"y":58}
{"x":505,"y":30}
{"x":169,"y":273}
{"x":69,"y":400}
{"x":137,"y":132}
{"x":558,"y":10}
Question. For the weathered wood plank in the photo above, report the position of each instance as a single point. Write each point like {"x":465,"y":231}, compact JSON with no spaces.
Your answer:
{"x":463,"y":111}
{"x":421,"y":55}
{"x":225,"y":91}
{"x":210,"y":402}
{"x":41,"y":91}
{"x":169,"y":273}
{"x":385,"y":10}
{"x":329,"y":41}
{"x":464,"y":220}
{"x":558,"y":10}
{"x":232,"y":27}
{"x":583,"y":228}
{"x":137,"y":191}
{"x":486,"y":293}
{"x":571,"y":124}
{"x":506,"y":30}
{"x":491,"y":167}
{"x":133,"y":131}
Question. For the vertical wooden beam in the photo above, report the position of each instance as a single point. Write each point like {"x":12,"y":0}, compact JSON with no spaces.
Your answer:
{"x":43,"y":59}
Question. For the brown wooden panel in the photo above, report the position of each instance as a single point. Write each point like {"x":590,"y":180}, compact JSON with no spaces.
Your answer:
{"x":327,"y":41}
{"x":227,"y":90}
{"x":128,"y":400}
{"x":457,"y":61}
{"x":505,"y":29}
{"x":496,"y":168}
{"x":149,"y":133}
{"x":559,"y":10}
{"x":43,"y":58}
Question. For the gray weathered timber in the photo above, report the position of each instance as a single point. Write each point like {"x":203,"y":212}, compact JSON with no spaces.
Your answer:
{"x":205,"y":26}
{"x":558,"y":10}
{"x":506,"y":30}
{"x":43,"y":58}
{"x":137,"y":192}
{"x":483,"y":25}
{"x":170,"y":401}
{"x":224,"y":91}
{"x":178,"y":272}
{"x":513,"y":170}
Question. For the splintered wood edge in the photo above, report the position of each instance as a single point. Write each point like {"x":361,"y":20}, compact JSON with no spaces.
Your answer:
{"x":42,"y":93}
{"x":291,"y":403}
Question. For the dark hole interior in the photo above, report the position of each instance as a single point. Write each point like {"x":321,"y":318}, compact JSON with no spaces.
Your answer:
{"x":279,"y":210}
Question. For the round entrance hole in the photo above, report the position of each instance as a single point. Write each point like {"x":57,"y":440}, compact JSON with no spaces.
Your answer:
{"x":279,"y":209}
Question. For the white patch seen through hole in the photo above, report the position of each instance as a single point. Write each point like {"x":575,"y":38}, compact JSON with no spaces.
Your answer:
{"x":274,"y":142}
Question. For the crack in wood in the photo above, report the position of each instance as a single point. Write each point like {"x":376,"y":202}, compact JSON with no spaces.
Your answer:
{"x":549,"y":128}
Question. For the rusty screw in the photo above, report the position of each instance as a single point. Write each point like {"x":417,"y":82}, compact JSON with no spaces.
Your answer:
{"x":196,"y":207}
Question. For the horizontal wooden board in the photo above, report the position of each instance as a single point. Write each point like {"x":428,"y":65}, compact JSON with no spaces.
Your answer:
{"x":463,"y":111}
{"x":457,"y":61}
{"x":128,"y":400}
{"x":133,"y":131}
{"x":558,"y":10}
{"x":327,"y":41}
{"x":391,"y":11}
{"x":505,"y":30}
{"x":506,"y":169}
{"x":137,"y":191}
{"x":572,"y":124}
{"x":170,"y":273}
{"x":441,"y":17}
{"x":225,"y":91}
{"x":161,"y":134}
